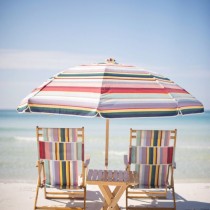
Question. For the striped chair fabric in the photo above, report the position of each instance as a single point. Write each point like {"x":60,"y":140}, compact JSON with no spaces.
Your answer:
{"x":60,"y":134}
{"x":152,"y":157}
{"x":62,"y":174}
{"x":152,"y":176}
{"x":153,"y":137}
{"x":60,"y":150}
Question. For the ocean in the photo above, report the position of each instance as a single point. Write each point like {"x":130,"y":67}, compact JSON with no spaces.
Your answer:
{"x":18,"y":148}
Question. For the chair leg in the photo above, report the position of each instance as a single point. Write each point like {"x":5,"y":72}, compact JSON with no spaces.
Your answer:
{"x":36,"y":197}
{"x":174,"y":198}
{"x":84,"y":198}
{"x":126,"y":199}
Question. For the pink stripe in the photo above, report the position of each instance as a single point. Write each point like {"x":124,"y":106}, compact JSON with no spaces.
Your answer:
{"x":148,"y":138}
{"x":68,"y":151}
{"x":142,"y":155}
{"x":74,"y":135}
{"x":47,"y":150}
{"x":164,"y":154}
{"x":56,"y":134}
{"x":75,"y":173}
{"x":165,"y":138}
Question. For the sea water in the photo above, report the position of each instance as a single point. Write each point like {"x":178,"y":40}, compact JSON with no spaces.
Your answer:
{"x":18,"y":147}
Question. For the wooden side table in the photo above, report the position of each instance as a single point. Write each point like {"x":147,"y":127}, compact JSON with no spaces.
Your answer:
{"x":105,"y":178}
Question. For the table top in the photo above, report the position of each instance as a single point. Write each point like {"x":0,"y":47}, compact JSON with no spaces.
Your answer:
{"x":111,"y":177}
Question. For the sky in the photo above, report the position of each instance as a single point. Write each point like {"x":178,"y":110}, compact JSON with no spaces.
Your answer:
{"x":43,"y":37}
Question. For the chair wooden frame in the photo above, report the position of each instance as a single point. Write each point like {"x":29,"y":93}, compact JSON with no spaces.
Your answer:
{"x":152,"y":193}
{"x":55,"y":193}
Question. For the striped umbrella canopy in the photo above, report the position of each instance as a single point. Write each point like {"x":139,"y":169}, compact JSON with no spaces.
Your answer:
{"x":110,"y":90}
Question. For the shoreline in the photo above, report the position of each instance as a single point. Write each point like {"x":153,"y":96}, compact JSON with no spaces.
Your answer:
{"x":178,"y":181}
{"x":189,"y":196}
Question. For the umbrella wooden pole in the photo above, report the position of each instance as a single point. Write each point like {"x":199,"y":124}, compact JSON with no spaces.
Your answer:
{"x":107,"y":144}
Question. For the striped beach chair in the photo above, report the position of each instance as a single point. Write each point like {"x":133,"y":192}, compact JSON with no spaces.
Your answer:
{"x":151,"y":155}
{"x":61,"y":165}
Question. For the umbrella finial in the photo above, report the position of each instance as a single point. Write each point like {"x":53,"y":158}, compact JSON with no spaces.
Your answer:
{"x":111,"y":60}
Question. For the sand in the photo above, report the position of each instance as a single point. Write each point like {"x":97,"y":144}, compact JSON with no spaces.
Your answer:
{"x":189,"y":196}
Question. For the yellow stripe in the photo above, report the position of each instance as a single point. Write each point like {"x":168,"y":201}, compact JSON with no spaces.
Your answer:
{"x":191,"y":107}
{"x":159,"y":138}
{"x":66,"y":134}
{"x":129,"y":78}
{"x":61,"y":177}
{"x":64,"y":151}
{"x":152,"y":138}
{"x":154,"y":155}
{"x":60,"y":106}
{"x":110,"y":77}
{"x":137,"y":110}
{"x":70,"y":174}
{"x":67,"y":174}
{"x":147,"y":160}
{"x":150,"y":174}
{"x":156,"y":175}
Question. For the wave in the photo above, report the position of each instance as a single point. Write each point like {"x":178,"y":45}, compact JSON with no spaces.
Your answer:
{"x":194,"y":147}
{"x":25,"y":138}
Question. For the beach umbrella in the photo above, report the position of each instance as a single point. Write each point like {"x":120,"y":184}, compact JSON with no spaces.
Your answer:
{"x":110,"y":90}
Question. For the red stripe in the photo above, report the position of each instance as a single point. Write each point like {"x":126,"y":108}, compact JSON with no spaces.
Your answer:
{"x":42,"y":150}
{"x":130,"y":151}
{"x":105,"y":90}
{"x":83,"y":151}
{"x":72,"y":89}
{"x":133,"y":90}
{"x":170,"y":155}
{"x":113,"y":90}
{"x":171,"y":90}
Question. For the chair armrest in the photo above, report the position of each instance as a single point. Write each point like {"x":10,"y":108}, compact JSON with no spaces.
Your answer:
{"x":41,"y":179}
{"x":85,"y":167}
{"x":174,"y":165}
{"x":126,"y":162}
{"x":87,"y":161}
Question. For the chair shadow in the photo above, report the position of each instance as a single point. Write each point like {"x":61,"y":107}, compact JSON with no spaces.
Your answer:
{"x":94,"y":200}
{"x":181,"y":203}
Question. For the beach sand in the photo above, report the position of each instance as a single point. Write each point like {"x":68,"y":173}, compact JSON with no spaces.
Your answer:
{"x":190,"y":196}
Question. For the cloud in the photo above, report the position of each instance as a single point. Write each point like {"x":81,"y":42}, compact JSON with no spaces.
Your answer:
{"x":43,"y":60}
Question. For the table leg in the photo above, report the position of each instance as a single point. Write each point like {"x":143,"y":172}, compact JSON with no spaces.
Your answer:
{"x":107,"y":195}
{"x":111,"y":198}
{"x":119,"y":192}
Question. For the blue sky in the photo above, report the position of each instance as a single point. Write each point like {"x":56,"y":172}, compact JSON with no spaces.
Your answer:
{"x":40,"y":38}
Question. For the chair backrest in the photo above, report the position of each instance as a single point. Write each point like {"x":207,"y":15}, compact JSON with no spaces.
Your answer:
{"x":152,"y":153}
{"x":62,"y":150}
